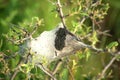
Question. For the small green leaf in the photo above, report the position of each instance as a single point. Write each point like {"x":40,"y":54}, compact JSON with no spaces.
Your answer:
{"x":79,"y":8}
{"x":112,"y":44}
{"x":94,"y":38}
{"x":81,"y":56}
{"x":87,"y":55}
{"x":84,"y":14}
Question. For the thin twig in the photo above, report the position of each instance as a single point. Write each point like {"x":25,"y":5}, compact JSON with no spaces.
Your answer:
{"x":57,"y":67}
{"x":93,"y":25}
{"x":72,"y":77}
{"x":35,"y":28}
{"x":94,"y":48}
{"x":14,"y":75}
{"x":102,"y":75}
{"x":106,"y":68}
{"x":16,"y":70}
{"x":22,"y":60}
{"x":20,"y":28}
{"x":86,"y":37}
{"x":60,"y":12}
{"x":67,"y":60}
{"x":81,"y":22}
{"x":46,"y":71}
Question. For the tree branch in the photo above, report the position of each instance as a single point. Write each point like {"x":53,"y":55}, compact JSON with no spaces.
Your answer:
{"x":46,"y":71}
{"x":60,"y":12}
{"x":57,"y":67}
{"x":102,"y":75}
{"x":14,"y":74}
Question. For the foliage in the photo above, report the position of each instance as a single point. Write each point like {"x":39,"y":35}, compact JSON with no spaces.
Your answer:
{"x":83,"y":18}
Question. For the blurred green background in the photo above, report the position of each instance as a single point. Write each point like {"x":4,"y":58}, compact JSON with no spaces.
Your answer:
{"x":19,"y":12}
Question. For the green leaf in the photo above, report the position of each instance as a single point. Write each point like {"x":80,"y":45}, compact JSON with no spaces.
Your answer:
{"x":94,"y":38}
{"x":79,"y":8}
{"x":64,"y":74}
{"x":84,"y":14}
{"x":81,"y":56}
{"x":87,"y":55}
{"x":112,"y":44}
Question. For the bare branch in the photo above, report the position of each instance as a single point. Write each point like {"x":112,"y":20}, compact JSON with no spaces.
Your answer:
{"x":60,"y":12}
{"x":14,"y":75}
{"x":46,"y":71}
{"x":22,"y":60}
{"x":102,"y":75}
{"x":80,"y":23}
{"x":57,"y":67}
{"x":71,"y":74}
{"x":35,"y":29}
{"x":93,"y":26}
